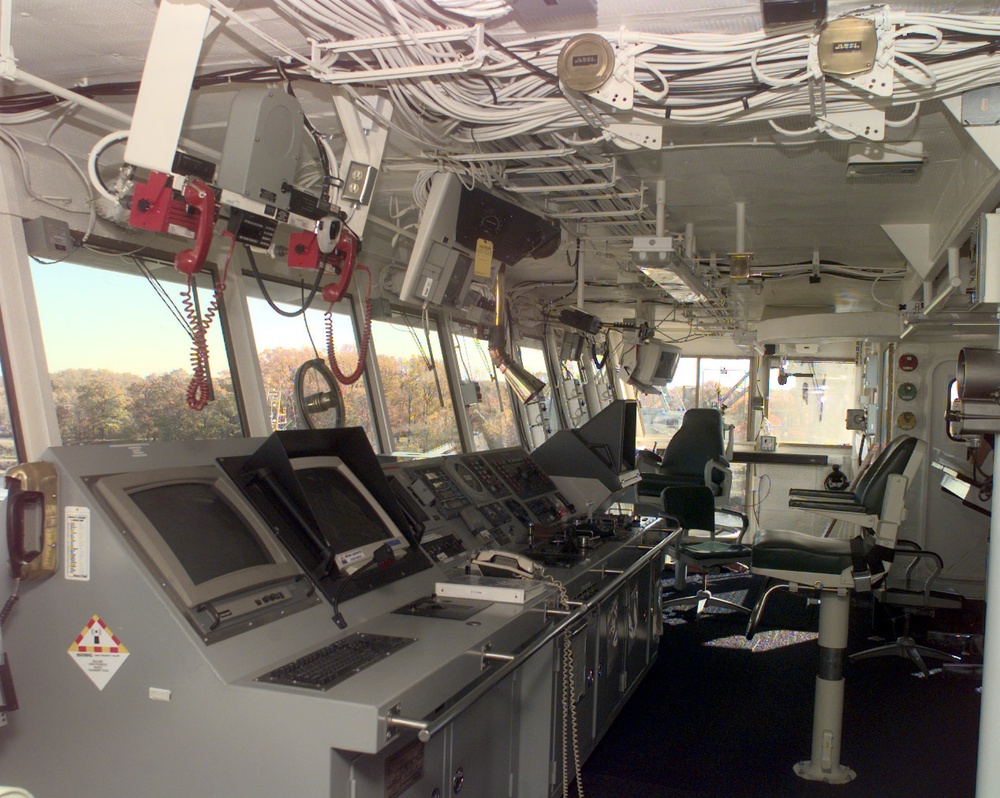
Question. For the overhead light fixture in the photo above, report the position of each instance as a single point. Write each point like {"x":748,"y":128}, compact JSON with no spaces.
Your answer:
{"x":525,"y":384}
{"x":656,"y":258}
{"x":903,"y":159}
{"x":786,"y":13}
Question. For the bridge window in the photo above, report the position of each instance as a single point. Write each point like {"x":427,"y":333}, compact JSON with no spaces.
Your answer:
{"x":699,"y":382}
{"x":287,"y":338}
{"x":491,"y":412}
{"x":415,"y":385}
{"x":808,"y":401}
{"x":542,"y":417}
{"x":118,"y":344}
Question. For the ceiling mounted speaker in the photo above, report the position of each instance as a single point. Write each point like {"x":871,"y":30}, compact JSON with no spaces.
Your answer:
{"x":847,"y":46}
{"x":586,"y":62}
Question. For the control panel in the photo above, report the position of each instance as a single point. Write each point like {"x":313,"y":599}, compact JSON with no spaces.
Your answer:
{"x":520,"y":472}
{"x":472,"y":501}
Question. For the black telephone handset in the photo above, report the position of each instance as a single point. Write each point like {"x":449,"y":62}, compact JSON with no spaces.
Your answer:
{"x":18,"y":500}
{"x":30,"y":486}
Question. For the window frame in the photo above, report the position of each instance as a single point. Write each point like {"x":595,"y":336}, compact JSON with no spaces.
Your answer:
{"x":776,"y":363}
{"x":114,"y":261}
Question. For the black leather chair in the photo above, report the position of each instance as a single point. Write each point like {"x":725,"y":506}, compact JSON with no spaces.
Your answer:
{"x":829,"y":569}
{"x":910,"y":591}
{"x":694,"y":456}
{"x":698,"y":543}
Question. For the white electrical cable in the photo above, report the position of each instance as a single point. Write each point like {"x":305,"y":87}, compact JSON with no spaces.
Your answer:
{"x":92,"y":159}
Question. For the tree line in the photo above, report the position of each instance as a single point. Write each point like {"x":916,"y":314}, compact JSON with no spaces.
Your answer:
{"x":95,"y":405}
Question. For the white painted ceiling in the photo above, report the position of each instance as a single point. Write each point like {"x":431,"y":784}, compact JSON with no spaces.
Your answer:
{"x":798,"y":199}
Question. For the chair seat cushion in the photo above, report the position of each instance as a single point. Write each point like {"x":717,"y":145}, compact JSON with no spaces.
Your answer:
{"x":711,"y":552}
{"x":786,"y":550}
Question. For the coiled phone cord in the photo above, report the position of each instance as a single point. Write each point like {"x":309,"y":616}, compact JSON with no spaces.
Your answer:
{"x":9,"y":605}
{"x":571,"y":741}
{"x":199,"y":390}
{"x":366,"y":335}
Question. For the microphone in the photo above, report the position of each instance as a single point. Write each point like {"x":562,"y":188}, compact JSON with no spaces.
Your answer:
{"x":383,"y":557}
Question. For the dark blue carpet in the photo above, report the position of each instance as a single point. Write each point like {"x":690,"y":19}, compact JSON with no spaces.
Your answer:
{"x":718,"y":717}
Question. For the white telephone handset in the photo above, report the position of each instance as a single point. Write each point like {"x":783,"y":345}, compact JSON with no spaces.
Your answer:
{"x":492,"y":562}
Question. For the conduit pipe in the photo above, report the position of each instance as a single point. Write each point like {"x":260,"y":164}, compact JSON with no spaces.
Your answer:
{"x":931,"y":303}
{"x":661,"y":207}
{"x":741,"y":227}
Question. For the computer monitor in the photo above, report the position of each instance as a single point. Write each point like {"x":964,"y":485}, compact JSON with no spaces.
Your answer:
{"x":655,"y":366}
{"x":200,"y":535}
{"x":349,"y":518}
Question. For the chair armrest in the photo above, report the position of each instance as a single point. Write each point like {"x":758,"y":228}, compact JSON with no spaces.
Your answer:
{"x":744,"y":520}
{"x":907,"y":548}
{"x":831,"y":495}
{"x":653,"y":484}
{"x":719,"y":475}
{"x":812,"y":504}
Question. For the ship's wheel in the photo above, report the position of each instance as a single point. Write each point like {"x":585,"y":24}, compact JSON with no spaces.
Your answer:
{"x":317,"y":396}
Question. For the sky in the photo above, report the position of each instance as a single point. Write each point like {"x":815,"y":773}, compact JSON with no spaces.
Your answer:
{"x":101,"y":319}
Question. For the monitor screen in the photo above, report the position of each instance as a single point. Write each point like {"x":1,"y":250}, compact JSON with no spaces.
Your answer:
{"x":183,"y":512}
{"x":352,"y":521}
{"x":655,"y":363}
{"x":199,"y":533}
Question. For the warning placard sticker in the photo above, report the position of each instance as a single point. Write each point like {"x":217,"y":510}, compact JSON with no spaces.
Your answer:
{"x":98,"y":652}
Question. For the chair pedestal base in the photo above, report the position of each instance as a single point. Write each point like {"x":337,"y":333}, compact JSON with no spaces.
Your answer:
{"x":701,"y":600}
{"x":828,"y":712}
{"x":907,"y":648}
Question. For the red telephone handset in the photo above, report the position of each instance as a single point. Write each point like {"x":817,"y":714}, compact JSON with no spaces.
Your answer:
{"x":200,"y":197}
{"x":32,"y":485}
{"x":347,"y":248}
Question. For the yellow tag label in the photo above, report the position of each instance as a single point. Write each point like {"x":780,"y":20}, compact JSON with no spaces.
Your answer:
{"x":484,"y":257}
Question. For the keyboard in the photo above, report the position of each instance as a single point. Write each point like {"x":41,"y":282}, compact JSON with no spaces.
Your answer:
{"x":325,"y":667}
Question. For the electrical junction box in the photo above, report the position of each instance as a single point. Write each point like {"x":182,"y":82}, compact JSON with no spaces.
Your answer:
{"x":260,"y":154}
{"x":471,"y":393}
{"x":359,"y":184}
{"x":47,"y":238}
{"x":766,"y":443}
{"x":981,"y":107}
{"x":652,"y":249}
{"x":857,"y":419}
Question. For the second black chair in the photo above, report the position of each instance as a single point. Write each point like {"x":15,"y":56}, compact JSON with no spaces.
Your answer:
{"x":692,"y":509}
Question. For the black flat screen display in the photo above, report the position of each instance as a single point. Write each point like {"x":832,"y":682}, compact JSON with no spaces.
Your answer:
{"x":205,"y":534}
{"x":344,"y":516}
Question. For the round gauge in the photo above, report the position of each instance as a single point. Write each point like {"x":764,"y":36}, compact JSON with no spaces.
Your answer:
{"x":907,"y":391}
{"x":469,"y":479}
{"x":908,"y":362}
{"x":906,"y":420}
